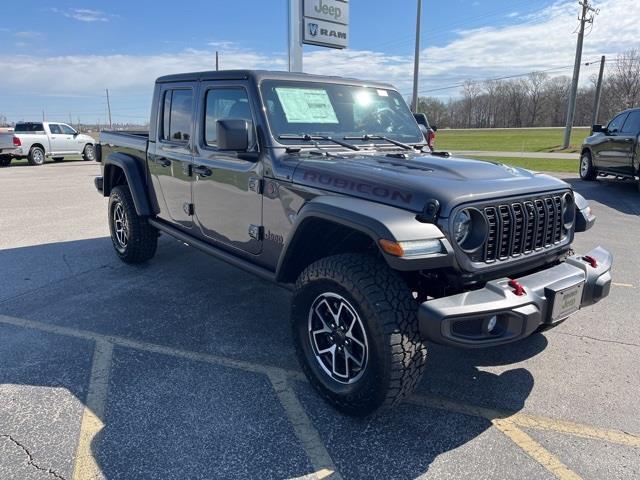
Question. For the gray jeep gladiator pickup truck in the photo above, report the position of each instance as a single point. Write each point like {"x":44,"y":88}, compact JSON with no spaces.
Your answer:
{"x":325,"y":185}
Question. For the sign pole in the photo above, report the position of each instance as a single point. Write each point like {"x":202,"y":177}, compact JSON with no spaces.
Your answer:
{"x":295,"y":34}
{"x":416,"y":61}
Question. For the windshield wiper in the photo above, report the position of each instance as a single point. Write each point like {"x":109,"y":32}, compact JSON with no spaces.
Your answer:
{"x":366,"y":138}
{"x":314,"y":139}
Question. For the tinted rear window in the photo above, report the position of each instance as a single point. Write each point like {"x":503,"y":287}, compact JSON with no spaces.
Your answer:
{"x":29,"y":127}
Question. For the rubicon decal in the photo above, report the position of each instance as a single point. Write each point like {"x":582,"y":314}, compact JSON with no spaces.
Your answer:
{"x":362,"y":188}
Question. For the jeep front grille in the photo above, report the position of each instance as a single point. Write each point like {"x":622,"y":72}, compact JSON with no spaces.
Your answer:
{"x":521,"y":227}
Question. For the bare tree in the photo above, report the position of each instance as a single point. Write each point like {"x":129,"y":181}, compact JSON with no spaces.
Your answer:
{"x":534,"y":83}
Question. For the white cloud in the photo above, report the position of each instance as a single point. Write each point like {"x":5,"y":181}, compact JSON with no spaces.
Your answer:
{"x":538,"y":41}
{"x":27,"y":34}
{"x":84,"y":14}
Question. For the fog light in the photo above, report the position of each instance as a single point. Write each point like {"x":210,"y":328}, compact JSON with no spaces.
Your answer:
{"x":491,"y":324}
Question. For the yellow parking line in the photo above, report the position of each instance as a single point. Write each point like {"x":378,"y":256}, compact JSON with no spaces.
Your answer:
{"x":536,"y":451}
{"x":304,"y":429}
{"x":86,"y":466}
{"x":527,"y":420}
{"x":507,"y":422}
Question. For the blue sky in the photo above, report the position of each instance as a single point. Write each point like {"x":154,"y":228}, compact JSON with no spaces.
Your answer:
{"x":63,"y":58}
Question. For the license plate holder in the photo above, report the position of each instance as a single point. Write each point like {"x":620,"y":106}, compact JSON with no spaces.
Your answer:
{"x":566,"y":302}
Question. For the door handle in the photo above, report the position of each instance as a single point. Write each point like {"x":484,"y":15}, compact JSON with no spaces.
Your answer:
{"x":163,"y":162}
{"x":202,"y":171}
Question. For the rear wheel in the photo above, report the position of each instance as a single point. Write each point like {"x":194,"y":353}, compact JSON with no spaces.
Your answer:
{"x":134,"y":240}
{"x":356,"y":334}
{"x":587,"y":170}
{"x":89,"y":153}
{"x":5,"y":161}
{"x":36,"y":156}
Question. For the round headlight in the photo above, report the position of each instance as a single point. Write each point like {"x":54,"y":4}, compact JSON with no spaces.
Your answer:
{"x":462,"y":226}
{"x":568,"y":210}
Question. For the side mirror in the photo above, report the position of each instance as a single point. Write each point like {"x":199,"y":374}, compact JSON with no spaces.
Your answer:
{"x":233,"y":134}
{"x":598,"y":129}
{"x":424,"y":130}
{"x":434,"y":128}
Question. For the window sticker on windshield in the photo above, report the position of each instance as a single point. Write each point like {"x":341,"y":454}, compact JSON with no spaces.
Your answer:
{"x":306,"y":105}
{"x":383,"y":93}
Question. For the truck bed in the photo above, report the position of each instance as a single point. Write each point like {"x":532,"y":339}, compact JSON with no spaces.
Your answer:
{"x":133,"y":139}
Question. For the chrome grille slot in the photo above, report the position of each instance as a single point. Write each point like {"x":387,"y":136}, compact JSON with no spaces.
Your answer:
{"x":523,"y":227}
{"x":492,"y":234}
{"x":504,"y":246}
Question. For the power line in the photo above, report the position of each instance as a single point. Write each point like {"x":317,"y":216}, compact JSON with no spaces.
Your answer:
{"x":505,"y":77}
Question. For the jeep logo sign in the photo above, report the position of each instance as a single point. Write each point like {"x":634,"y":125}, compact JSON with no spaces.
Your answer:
{"x":328,"y":10}
{"x":326,"y":23}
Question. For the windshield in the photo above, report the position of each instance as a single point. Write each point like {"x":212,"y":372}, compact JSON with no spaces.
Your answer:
{"x":337,"y":111}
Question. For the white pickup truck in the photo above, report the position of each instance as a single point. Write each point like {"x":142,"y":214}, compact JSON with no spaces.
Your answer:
{"x":37,"y":141}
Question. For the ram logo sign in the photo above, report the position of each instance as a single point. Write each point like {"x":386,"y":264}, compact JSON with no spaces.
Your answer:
{"x":326,"y":23}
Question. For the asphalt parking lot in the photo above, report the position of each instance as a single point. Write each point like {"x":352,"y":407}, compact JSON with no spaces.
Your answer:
{"x":183,"y":368}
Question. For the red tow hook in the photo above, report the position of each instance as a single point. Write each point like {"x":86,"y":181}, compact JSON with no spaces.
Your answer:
{"x":518,"y":289}
{"x":591,"y":261}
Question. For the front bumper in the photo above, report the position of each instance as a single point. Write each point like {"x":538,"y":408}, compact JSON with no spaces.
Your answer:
{"x":463,"y":320}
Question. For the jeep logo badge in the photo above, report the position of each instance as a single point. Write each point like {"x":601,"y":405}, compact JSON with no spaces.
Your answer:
{"x":313,"y":29}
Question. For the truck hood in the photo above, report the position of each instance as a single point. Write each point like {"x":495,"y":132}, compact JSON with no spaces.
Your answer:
{"x":409,"y":181}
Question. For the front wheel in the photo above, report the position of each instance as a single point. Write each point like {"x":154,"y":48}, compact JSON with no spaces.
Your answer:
{"x":587,"y":170}
{"x":5,"y":161}
{"x":134,"y":240}
{"x":356,"y":334}
{"x":89,"y":153}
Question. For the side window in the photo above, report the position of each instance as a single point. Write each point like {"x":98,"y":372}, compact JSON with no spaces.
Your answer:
{"x":615,"y":125}
{"x":66,"y":129}
{"x":632,"y":125}
{"x":55,"y":129}
{"x":176,"y":115}
{"x":225,"y":103}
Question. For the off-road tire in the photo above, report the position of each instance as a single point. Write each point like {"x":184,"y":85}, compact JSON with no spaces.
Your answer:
{"x":5,"y":161}
{"x":89,"y":153}
{"x":397,"y":355}
{"x":588,"y":172}
{"x":36,"y":156}
{"x":58,"y":159}
{"x":142,"y":238}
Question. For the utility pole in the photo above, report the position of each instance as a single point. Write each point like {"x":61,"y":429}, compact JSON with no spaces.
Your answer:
{"x":216,"y":60}
{"x":109,"y":108}
{"x":416,"y":60}
{"x":596,"y":102}
{"x":295,"y":36}
{"x":43,"y":115}
{"x":587,"y":15}
{"x":70,"y":120}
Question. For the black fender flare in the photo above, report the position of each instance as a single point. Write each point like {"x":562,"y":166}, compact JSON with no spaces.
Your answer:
{"x":129,"y":166}
{"x":377,"y":221}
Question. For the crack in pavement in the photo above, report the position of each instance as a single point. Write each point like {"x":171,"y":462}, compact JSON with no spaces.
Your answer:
{"x":617,"y":342}
{"x":31,"y":461}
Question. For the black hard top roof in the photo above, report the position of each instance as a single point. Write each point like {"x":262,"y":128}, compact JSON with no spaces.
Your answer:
{"x":259,"y":75}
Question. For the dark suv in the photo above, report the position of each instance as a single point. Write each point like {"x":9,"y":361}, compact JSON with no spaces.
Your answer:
{"x":613,"y":150}
{"x":325,"y":185}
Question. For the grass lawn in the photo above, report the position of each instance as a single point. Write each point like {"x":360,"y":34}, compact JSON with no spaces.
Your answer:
{"x":538,"y":164}
{"x":510,"y":140}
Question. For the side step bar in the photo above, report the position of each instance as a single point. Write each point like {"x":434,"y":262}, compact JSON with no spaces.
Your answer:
{"x":215,"y":252}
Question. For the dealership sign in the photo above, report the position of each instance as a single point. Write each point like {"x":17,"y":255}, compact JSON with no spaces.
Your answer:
{"x":326,"y":23}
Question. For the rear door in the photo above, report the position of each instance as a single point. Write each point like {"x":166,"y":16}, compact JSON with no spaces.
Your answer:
{"x":628,"y":143}
{"x":56,"y":139}
{"x":170,"y":158}
{"x":226,"y":187}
